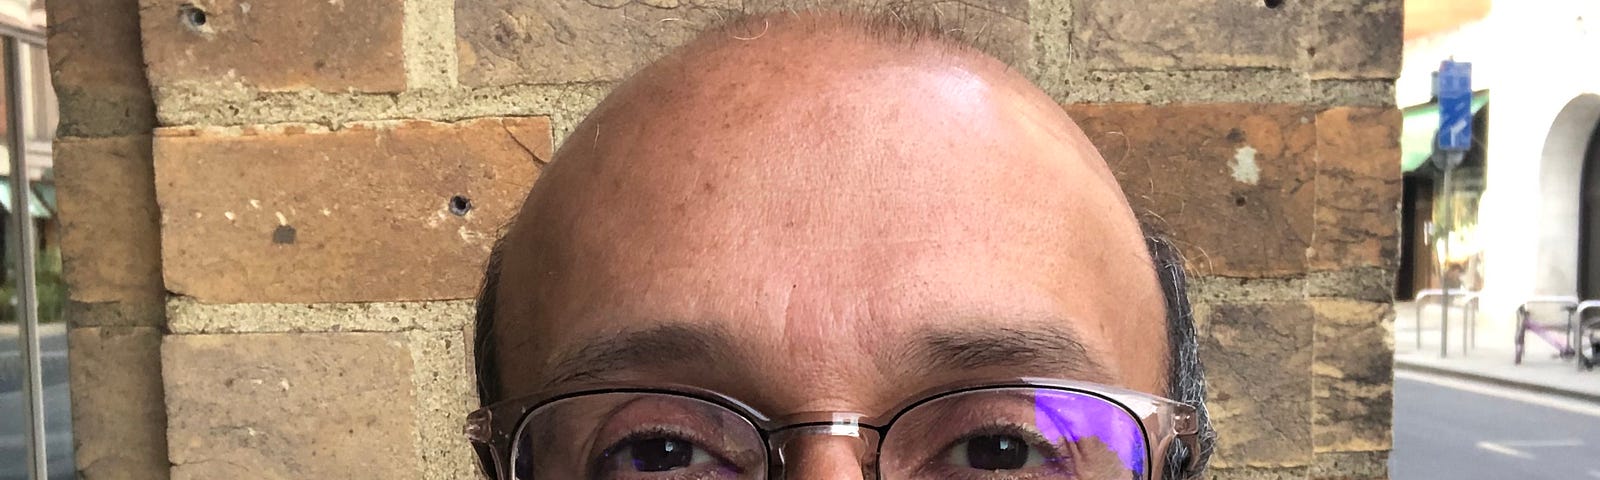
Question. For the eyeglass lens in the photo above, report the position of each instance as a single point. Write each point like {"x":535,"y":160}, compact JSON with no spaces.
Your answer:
{"x":991,"y":434}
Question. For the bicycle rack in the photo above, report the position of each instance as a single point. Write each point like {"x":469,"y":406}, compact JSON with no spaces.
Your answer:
{"x":1524,"y":315}
{"x":1575,"y":319}
{"x":1469,"y":333}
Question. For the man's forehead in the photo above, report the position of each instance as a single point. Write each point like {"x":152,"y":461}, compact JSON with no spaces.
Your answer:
{"x":805,"y":192}
{"x":899,"y":140}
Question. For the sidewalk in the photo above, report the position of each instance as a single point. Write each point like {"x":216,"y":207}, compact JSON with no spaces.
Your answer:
{"x":1490,"y":361}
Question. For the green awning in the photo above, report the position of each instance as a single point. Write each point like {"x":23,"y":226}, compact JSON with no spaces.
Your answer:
{"x":46,"y":191}
{"x":36,"y":206}
{"x":1420,"y":127}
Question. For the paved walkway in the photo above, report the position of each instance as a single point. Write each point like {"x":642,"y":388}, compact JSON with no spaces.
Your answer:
{"x":1491,"y":360}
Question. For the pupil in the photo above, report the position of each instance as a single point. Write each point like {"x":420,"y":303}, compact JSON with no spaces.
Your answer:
{"x":997,"y":452}
{"x":661,"y":454}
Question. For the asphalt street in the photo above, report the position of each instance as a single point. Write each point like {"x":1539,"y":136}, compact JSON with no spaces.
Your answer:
{"x":1455,"y":429}
{"x":58,"y":410}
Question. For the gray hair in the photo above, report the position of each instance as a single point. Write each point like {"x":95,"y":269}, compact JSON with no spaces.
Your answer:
{"x":1186,"y":377}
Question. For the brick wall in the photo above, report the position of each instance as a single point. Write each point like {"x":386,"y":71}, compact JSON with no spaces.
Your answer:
{"x":275,"y":213}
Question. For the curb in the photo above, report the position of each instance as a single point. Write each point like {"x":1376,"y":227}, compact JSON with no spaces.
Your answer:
{"x":1401,"y":365}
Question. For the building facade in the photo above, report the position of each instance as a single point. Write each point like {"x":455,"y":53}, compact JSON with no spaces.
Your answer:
{"x":1528,"y":235}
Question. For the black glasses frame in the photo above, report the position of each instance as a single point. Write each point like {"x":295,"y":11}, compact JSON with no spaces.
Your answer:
{"x":494,"y":428}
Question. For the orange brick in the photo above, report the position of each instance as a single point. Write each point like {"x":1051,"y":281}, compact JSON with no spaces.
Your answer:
{"x":110,"y":239}
{"x":119,"y":418}
{"x":359,"y":214}
{"x":1231,"y":183}
{"x":1353,"y":376}
{"x":290,"y":406}
{"x":1358,"y":188}
{"x":346,"y":45}
{"x":1258,"y":359}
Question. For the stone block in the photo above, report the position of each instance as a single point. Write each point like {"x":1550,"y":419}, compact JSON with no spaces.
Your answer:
{"x":1050,"y":21}
{"x":565,"y":104}
{"x":1188,"y":34}
{"x":1358,"y":189}
{"x":1258,"y":366}
{"x":503,"y":42}
{"x":1258,"y":473}
{"x":998,"y":27}
{"x":187,"y":316}
{"x":141,"y":313}
{"x":1205,"y":289}
{"x":197,"y":47}
{"x":106,"y":190}
{"x":398,"y":211}
{"x":1353,"y":93}
{"x":119,"y":419}
{"x":1358,"y":39}
{"x":445,"y":393}
{"x":1351,"y":466}
{"x":430,"y":45}
{"x":1230,"y":182}
{"x":290,"y":406}
{"x":1184,"y":86}
{"x":1354,"y":375}
{"x":1361,"y":283}
{"x":97,"y":68}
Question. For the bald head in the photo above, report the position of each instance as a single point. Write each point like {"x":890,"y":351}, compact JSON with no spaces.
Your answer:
{"x":824,"y":212}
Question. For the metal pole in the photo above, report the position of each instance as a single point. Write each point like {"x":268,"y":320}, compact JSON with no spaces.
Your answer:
{"x":23,"y":241}
{"x":1417,"y":314}
{"x":1444,"y":260}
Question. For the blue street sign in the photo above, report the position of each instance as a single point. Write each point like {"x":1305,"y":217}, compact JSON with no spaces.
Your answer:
{"x":1454,"y":89}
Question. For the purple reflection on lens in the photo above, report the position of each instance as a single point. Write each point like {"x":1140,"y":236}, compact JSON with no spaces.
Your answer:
{"x":1074,"y":417}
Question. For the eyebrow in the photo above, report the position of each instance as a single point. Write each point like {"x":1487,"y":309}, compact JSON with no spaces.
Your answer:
{"x":597,"y":360}
{"x":1037,"y":351}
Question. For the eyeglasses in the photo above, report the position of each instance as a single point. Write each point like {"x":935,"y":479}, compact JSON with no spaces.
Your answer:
{"x":1016,"y":429}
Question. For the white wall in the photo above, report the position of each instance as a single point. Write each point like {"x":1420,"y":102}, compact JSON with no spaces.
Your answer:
{"x":1536,"y":58}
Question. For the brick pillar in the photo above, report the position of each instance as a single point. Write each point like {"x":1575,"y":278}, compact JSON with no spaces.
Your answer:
{"x":1262,"y":135}
{"x":316,"y":266}
{"x":110,"y":240}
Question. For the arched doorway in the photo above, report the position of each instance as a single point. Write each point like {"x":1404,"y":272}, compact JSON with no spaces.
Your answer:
{"x":1566,"y":182}
{"x":1589,"y":222}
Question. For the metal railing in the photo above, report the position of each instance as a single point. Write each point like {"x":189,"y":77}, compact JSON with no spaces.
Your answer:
{"x":1469,"y":313}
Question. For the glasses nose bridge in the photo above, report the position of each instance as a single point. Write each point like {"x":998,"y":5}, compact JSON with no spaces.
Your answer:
{"x":838,"y":449}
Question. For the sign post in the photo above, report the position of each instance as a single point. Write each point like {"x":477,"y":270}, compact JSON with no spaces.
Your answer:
{"x":1453,"y":87}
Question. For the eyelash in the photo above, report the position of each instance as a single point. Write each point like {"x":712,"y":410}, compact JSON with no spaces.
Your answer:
{"x":649,"y":433}
{"x":1053,"y":453}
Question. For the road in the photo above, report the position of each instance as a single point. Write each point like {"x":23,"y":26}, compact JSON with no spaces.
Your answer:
{"x":13,"y":423}
{"x":1449,"y":429}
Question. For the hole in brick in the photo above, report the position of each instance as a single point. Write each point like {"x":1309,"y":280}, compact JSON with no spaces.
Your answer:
{"x":192,"y":16}
{"x":1239,"y":201}
{"x":460,"y":205}
{"x":1235,"y":135}
{"x":1274,"y":3}
{"x":283,"y":235}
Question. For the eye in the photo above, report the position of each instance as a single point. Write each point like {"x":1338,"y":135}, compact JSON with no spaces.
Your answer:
{"x":656,"y":454}
{"x":995,"y":453}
